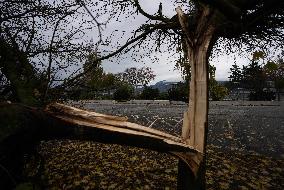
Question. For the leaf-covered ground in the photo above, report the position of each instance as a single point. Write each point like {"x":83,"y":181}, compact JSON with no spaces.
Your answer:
{"x":245,"y":151}
{"x":236,"y":170}
{"x":87,"y":165}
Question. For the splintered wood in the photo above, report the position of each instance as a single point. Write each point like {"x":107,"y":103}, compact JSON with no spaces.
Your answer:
{"x":195,"y":119}
{"x":115,"y":128}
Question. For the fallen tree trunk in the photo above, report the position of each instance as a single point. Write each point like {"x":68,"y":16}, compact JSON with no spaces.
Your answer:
{"x":70,"y":122}
{"x":23,"y":127}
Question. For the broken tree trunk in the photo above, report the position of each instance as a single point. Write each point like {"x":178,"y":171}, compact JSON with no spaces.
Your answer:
{"x":89,"y":125}
{"x":23,"y":127}
{"x":195,"y":121}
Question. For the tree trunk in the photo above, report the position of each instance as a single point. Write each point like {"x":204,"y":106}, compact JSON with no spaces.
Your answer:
{"x":194,"y":130}
{"x":195,"y":123}
{"x":20,"y":74}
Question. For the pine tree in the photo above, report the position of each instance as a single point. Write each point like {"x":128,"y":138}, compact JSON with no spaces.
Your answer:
{"x":236,"y":74}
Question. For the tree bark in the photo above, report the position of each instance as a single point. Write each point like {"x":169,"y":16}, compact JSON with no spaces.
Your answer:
{"x":20,"y":74}
{"x":195,"y":123}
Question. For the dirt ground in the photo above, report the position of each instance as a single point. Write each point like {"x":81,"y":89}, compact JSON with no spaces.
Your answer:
{"x":245,"y":150}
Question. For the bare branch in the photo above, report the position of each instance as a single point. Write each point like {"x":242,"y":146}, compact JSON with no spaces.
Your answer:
{"x":151,"y":17}
{"x":82,"y":3}
{"x":143,"y":35}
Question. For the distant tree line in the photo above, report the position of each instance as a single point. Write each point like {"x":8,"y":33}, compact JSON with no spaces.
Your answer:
{"x":264,"y":80}
{"x":131,"y":84}
{"x":97,"y":84}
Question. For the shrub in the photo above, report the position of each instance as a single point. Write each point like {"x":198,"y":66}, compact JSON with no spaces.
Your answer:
{"x":262,"y":95}
{"x":179,"y":92}
{"x":163,"y":96}
{"x":123,"y":93}
{"x":218,"y":93}
{"x":149,"y":93}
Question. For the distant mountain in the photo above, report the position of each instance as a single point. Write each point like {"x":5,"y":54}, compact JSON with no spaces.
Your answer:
{"x":163,"y":86}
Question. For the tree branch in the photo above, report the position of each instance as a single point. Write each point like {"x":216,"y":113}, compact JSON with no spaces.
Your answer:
{"x":48,"y":72}
{"x":151,"y":17}
{"x":141,"y":36}
{"x":81,"y":3}
{"x":261,"y":15}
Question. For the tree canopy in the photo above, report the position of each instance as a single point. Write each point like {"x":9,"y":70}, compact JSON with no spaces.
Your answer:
{"x":137,"y":77}
{"x":262,"y":76}
{"x":40,"y":29}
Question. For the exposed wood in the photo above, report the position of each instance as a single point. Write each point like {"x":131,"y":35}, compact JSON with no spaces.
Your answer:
{"x":195,"y":118}
{"x":192,"y":160}
{"x":61,"y":121}
{"x":84,"y":118}
{"x":194,"y":129}
{"x":185,"y":126}
{"x":183,"y":20}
